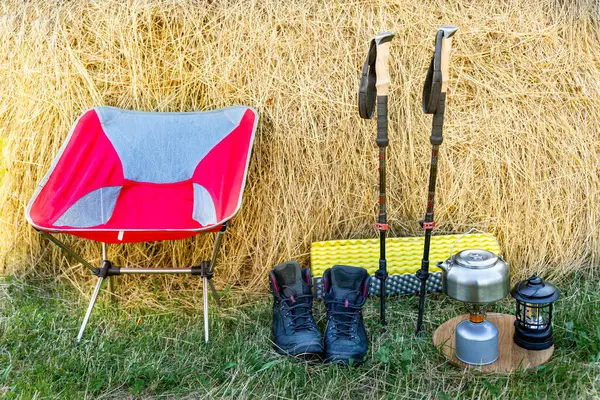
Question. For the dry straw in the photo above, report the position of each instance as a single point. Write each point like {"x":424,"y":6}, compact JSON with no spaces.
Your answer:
{"x":520,"y":157}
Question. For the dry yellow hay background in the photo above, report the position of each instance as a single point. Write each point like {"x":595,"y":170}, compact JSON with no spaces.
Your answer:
{"x":520,"y":156}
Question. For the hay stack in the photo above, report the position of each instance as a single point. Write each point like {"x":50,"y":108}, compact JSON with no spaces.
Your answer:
{"x":520,"y":157}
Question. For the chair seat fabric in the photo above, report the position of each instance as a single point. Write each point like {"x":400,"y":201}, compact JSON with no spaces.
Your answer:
{"x":131,"y":176}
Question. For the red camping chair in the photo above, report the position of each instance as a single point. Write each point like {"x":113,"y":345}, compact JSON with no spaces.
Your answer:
{"x":129,"y":176}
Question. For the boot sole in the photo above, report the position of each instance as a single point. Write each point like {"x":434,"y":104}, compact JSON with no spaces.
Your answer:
{"x":309,"y":352}
{"x":341,"y":359}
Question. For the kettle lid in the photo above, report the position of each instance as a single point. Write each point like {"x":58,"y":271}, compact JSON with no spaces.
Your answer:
{"x":475,"y":258}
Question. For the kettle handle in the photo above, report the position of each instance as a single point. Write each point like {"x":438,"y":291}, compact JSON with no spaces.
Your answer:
{"x":469,"y":232}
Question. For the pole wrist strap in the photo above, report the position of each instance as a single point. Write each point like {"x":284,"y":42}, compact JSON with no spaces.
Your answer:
{"x":433,"y":81}
{"x":367,"y":92}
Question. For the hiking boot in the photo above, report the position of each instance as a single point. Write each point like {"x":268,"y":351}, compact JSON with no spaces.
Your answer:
{"x":345,"y":293}
{"x":294,"y":329}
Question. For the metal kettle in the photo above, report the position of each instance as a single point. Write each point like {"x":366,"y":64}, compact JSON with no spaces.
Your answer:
{"x":475,"y":276}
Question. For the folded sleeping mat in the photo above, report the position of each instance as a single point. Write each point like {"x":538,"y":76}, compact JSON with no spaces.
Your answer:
{"x":404,"y":255}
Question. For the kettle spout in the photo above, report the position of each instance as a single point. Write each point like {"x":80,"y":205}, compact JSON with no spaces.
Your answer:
{"x":443,"y":266}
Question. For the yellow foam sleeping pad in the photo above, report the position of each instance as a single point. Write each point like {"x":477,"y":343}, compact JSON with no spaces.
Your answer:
{"x":404,"y":254}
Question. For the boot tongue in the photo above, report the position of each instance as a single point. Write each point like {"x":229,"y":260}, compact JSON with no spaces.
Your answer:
{"x":289,"y":278}
{"x":347,"y":282}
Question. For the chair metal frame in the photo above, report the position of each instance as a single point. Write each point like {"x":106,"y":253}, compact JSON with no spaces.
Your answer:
{"x":108,"y":270}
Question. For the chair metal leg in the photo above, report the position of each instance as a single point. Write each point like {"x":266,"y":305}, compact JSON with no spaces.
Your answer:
{"x":214,"y":292}
{"x":211,"y":267}
{"x":112,"y":280}
{"x":112,"y":286}
{"x":89,"y":309}
{"x":215,"y":253}
{"x":207,"y":281}
{"x":110,"y":271}
{"x":205,"y":296}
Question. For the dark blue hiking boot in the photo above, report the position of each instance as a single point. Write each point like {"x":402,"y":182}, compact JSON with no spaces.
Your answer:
{"x":345,"y":293}
{"x":294,"y":329}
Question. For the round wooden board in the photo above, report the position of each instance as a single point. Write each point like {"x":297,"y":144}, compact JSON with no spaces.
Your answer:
{"x":511,"y":357}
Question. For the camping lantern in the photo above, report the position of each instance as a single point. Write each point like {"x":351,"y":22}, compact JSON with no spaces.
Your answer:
{"x":533,"y":325}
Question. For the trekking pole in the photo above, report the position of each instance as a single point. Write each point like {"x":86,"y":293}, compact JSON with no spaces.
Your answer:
{"x":374,"y":87}
{"x":434,"y":100}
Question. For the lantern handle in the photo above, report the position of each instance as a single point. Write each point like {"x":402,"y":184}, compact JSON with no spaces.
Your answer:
{"x":469,"y":232}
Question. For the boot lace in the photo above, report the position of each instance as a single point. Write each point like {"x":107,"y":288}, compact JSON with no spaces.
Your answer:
{"x":345,"y":316}
{"x":299,"y":310}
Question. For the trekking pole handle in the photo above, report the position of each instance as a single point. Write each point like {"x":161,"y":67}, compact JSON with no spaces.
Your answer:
{"x":382,"y":41}
{"x":449,"y":31}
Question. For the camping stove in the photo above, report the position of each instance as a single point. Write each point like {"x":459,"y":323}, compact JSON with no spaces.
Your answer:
{"x":476,"y":277}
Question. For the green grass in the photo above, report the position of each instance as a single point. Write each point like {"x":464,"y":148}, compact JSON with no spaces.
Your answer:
{"x":148,"y":353}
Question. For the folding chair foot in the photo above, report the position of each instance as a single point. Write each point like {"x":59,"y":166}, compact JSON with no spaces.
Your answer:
{"x":89,"y":309}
